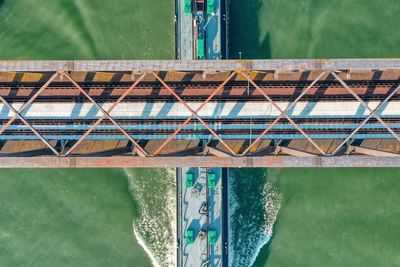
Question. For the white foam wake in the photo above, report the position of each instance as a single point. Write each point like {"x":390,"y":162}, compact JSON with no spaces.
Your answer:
{"x":155,"y":227}
{"x":146,"y":249}
{"x":254,"y":204}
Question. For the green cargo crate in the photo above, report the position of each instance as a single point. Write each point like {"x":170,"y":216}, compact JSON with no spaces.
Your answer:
{"x":188,"y":7}
{"x":211,"y":180}
{"x":200,"y":49}
{"x":189,"y":237}
{"x":189,"y":180}
{"x":210,"y":7}
{"x":212,"y":237}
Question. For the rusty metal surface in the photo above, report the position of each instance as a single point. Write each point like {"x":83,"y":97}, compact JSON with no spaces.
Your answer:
{"x":190,"y":65}
{"x":191,"y":161}
{"x":181,"y":82}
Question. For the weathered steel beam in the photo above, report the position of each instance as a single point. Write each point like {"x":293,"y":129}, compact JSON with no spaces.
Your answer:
{"x":141,"y":152}
{"x":198,"y":161}
{"x":283,"y":113}
{"x":371,"y":152}
{"x":366,"y":106}
{"x":200,"y":65}
{"x":293,"y":152}
{"x":216,"y":152}
{"x":193,"y":112}
{"x":133,"y":86}
{"x":275,"y":105}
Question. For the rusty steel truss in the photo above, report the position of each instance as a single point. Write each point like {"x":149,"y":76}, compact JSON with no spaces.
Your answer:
{"x":220,"y":152}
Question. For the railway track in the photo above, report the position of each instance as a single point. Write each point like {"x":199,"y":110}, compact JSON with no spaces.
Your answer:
{"x":199,"y":91}
{"x":252,"y":121}
{"x":238,"y":129}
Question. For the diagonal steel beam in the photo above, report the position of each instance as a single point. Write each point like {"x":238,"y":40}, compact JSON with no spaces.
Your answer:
{"x":10,"y":121}
{"x":365,"y":105}
{"x":29,"y":126}
{"x":345,"y":85}
{"x":372,"y":114}
{"x":109,"y":111}
{"x":194,"y":113}
{"x":284,"y":114}
{"x":107,"y":115}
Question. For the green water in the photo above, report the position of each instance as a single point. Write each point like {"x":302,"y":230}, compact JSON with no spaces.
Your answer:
{"x":67,"y":218}
{"x":85,"y":217}
{"x":88,"y":217}
{"x":330,"y":217}
{"x":336,"y":217}
{"x":314,"y":28}
{"x":86,"y":29}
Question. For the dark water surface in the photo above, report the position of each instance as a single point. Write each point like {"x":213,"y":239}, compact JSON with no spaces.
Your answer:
{"x":314,"y":28}
{"x":327,"y":217}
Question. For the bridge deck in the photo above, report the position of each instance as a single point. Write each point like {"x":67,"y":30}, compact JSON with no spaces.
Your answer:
{"x":233,"y":162}
{"x":200,"y":65}
{"x":109,"y":109}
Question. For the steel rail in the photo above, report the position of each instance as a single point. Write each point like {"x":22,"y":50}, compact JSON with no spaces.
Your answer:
{"x":373,"y":113}
{"x":175,"y":83}
{"x":167,"y":121}
{"x":191,"y":131}
{"x":287,"y":117}
{"x":221,"y":86}
{"x":283,"y":113}
{"x":30,"y":126}
{"x":366,"y":106}
{"x":30,"y":101}
{"x":109,"y":110}
{"x":140,"y":151}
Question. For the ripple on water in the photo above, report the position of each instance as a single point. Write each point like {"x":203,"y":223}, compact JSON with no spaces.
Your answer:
{"x":155,"y":227}
{"x":254,"y":205}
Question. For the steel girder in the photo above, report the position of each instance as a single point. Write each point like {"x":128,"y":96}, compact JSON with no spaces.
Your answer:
{"x":195,"y":114}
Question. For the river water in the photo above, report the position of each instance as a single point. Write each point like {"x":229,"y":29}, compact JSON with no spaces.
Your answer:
{"x":126,"y":217}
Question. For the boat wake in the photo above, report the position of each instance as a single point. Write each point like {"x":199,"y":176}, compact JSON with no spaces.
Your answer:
{"x":155,"y":226}
{"x":254,"y":203}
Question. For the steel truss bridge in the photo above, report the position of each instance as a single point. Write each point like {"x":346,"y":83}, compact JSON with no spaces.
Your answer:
{"x":260,"y":113}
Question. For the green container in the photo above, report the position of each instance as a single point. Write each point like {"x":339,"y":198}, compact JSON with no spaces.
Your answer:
{"x":212,"y":237}
{"x":200,"y":48}
{"x":210,"y":7}
{"x":188,"y":7}
{"x":189,"y":237}
{"x":189,"y":180}
{"x":211,"y":181}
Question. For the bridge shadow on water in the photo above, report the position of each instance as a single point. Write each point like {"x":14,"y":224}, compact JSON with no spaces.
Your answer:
{"x":244,"y":31}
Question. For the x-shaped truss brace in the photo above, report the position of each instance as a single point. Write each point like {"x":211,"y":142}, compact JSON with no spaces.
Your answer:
{"x":17,"y":114}
{"x":140,"y":151}
{"x":194,"y":113}
{"x":283,"y":113}
{"x":106,"y":114}
{"x":373,"y":113}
